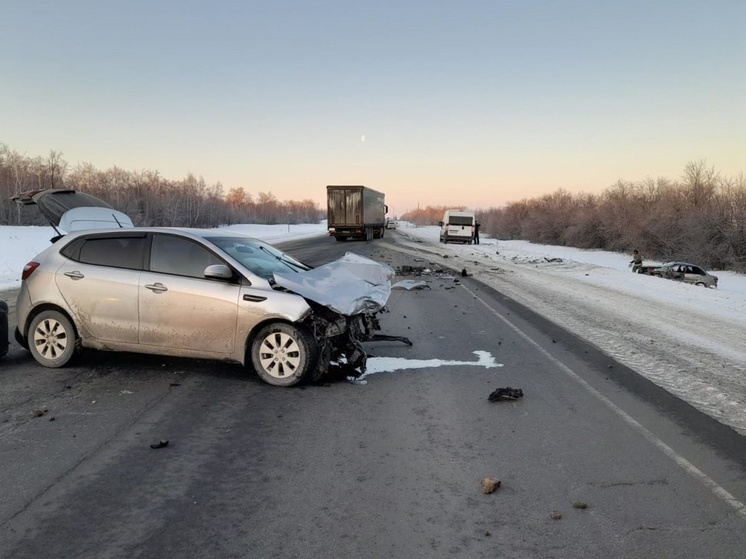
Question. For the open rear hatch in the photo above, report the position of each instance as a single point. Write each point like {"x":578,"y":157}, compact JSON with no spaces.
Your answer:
{"x":70,"y":210}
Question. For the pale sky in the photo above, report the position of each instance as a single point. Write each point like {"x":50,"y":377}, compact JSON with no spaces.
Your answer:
{"x":433,"y":102}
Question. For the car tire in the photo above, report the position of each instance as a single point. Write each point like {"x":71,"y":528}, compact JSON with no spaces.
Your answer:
{"x":701,"y":284}
{"x":52,"y":339}
{"x":3,"y":328}
{"x":284,"y":354}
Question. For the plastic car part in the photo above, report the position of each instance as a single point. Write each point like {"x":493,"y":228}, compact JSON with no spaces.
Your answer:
{"x":506,"y":393}
{"x":52,"y":339}
{"x":284,"y":354}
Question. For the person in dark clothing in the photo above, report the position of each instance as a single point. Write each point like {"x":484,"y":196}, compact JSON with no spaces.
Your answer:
{"x":636,"y":261}
{"x":477,"y":225}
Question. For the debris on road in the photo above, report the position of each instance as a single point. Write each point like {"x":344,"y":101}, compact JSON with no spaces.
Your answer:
{"x":490,"y":485}
{"x":386,"y":338}
{"x":159,"y":444}
{"x":410,"y":284}
{"x":39,"y":412}
{"x":580,"y":505}
{"x":506,"y":393}
{"x":555,"y":515}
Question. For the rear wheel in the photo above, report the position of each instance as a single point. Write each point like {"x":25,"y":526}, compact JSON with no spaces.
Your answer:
{"x":3,"y":328}
{"x":52,"y":339}
{"x":284,"y":354}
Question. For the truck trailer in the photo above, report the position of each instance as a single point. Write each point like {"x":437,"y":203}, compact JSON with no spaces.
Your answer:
{"x":355,"y":212}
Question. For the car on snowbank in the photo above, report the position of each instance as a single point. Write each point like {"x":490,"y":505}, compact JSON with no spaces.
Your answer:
{"x":682,"y":271}
{"x":194,"y":293}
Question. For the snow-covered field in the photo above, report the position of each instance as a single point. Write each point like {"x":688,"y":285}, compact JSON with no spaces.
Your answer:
{"x":689,"y":340}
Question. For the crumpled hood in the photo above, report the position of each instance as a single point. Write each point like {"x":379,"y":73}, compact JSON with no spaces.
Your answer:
{"x":349,"y":285}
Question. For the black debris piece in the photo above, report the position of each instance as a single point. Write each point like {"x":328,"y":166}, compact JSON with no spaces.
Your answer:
{"x":464,"y":273}
{"x":383,"y":337}
{"x":159,"y":444}
{"x":507,"y":393}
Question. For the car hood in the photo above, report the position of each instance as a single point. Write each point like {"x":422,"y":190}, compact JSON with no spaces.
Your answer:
{"x":349,"y":285}
{"x":73,"y":211}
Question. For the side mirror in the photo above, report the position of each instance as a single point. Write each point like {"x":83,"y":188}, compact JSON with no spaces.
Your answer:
{"x":440,"y":223}
{"x":218,"y":271}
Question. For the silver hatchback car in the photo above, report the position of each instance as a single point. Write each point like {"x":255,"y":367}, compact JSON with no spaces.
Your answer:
{"x":203,"y":294}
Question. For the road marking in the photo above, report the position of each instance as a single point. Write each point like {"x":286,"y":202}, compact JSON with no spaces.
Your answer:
{"x":388,"y":364}
{"x":687,"y":466}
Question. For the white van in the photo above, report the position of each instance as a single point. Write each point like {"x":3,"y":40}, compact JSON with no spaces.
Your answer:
{"x":457,"y":226}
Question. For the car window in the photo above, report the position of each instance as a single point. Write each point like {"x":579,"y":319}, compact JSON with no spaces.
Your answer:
{"x":181,"y":257}
{"x":116,"y":252}
{"x":258,"y":257}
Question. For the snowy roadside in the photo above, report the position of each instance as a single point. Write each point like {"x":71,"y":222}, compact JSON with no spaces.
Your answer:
{"x":689,"y":340}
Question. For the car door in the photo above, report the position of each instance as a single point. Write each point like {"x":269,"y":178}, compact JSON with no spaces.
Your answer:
{"x":99,"y":282}
{"x":179,"y":308}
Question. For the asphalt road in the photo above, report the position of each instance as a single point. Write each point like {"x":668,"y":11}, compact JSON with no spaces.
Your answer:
{"x":389,"y":468}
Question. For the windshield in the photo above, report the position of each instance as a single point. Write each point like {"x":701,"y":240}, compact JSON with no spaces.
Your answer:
{"x":258,"y":257}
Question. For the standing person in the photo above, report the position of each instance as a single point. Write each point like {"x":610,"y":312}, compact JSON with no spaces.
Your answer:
{"x":636,"y":261}
{"x":477,"y":225}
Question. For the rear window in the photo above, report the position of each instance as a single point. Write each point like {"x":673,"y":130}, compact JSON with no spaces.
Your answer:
{"x":460,"y":220}
{"x":116,"y":252}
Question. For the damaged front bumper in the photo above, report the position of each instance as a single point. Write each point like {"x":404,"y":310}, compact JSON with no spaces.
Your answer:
{"x":340,"y":339}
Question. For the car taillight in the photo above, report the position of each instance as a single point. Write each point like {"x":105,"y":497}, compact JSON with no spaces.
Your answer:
{"x":28,"y":269}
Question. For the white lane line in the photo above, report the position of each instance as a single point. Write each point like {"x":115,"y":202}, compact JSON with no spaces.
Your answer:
{"x":687,"y":466}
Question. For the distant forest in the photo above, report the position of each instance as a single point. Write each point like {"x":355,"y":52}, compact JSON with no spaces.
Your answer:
{"x":700,"y":218}
{"x":147,"y":197}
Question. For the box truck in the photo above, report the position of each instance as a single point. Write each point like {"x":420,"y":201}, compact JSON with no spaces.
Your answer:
{"x":355,"y":212}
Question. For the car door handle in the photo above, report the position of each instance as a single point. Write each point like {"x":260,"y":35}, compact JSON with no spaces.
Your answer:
{"x":156,"y":287}
{"x":74,"y":275}
{"x":254,"y":298}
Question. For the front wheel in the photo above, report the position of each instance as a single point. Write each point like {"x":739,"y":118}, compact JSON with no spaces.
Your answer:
{"x":52,"y":339}
{"x":701,"y":284}
{"x":284,"y":354}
